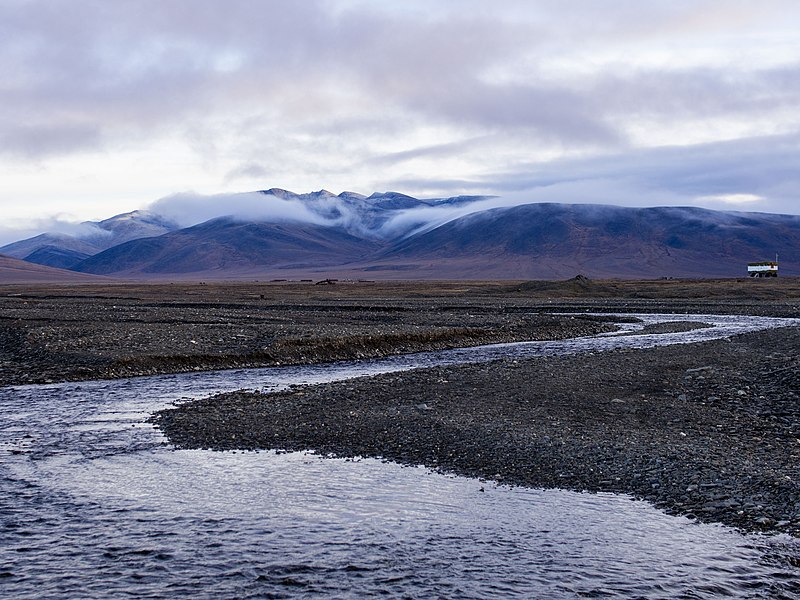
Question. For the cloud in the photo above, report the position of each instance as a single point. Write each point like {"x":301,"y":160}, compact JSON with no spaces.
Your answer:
{"x":533,"y":99}
{"x":37,"y":140}
{"x":250,"y":170}
{"x":733,"y":199}
{"x":190,"y":209}
{"x":355,"y":213}
{"x":13,"y":231}
{"x":716,"y":175}
{"x":420,"y":219}
{"x":103,"y":73}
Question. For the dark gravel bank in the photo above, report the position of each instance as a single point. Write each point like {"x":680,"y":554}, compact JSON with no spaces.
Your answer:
{"x":44,"y":352}
{"x":72,"y":332}
{"x":94,"y":332}
{"x":707,"y":430}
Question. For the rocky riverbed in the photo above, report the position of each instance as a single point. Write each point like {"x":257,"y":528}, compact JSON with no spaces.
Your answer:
{"x":706,"y":430}
{"x":68,"y":335}
{"x":52,"y":333}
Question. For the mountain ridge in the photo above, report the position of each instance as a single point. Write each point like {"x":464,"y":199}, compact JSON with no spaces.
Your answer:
{"x":390,"y":235}
{"x":226,"y":244}
{"x":54,"y":249}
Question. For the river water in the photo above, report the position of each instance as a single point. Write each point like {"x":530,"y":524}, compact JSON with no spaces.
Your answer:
{"x":94,"y":504}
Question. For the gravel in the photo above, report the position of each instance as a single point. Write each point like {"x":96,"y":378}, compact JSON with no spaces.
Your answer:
{"x":706,"y":430}
{"x":91,"y":332}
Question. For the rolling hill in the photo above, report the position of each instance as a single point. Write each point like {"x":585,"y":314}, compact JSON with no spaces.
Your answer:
{"x":63,"y":250}
{"x":556,"y":241}
{"x":17,"y":271}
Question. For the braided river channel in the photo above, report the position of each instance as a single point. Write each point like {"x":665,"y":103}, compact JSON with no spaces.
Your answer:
{"x":94,"y":503}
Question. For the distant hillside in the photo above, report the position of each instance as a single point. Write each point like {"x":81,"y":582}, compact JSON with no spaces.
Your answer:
{"x":58,"y":257}
{"x":226,"y":246}
{"x":54,"y":241}
{"x":64,"y":250}
{"x":555,"y":241}
{"x":395,"y":236}
{"x":17,"y":271}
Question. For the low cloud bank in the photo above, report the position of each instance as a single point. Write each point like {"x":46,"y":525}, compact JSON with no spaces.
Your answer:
{"x":188,"y":208}
{"x":754,"y":174}
{"x":15,"y":231}
{"x":379,"y":216}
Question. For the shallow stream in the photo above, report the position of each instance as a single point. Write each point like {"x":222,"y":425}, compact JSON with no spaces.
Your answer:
{"x":93,"y":504}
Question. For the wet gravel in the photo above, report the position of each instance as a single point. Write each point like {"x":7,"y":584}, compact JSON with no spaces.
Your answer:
{"x":706,"y":430}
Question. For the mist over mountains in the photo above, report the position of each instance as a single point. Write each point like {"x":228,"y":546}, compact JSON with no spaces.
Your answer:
{"x":279,"y":234}
{"x":379,"y":216}
{"x":64,"y":250}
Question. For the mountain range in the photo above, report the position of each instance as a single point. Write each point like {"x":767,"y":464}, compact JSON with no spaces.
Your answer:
{"x":395,"y":236}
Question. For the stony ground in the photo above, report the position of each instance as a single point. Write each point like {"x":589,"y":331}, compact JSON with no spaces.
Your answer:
{"x":88,"y":332}
{"x":72,"y":332}
{"x":709,"y":430}
{"x":706,"y":430}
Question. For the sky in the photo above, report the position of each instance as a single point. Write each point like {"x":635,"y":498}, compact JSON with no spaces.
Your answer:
{"x":107,"y":107}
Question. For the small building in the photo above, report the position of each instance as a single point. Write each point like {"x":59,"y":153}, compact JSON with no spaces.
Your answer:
{"x":767,"y":268}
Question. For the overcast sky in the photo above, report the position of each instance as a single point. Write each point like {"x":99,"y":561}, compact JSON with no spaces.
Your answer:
{"x":107,"y":106}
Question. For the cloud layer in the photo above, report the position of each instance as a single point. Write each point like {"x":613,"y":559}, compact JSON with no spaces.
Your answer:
{"x":691,"y":102}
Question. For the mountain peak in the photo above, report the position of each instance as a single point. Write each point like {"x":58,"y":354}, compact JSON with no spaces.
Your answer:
{"x":394,"y":195}
{"x":352,"y":196}
{"x":135,"y":218}
{"x":279,"y":193}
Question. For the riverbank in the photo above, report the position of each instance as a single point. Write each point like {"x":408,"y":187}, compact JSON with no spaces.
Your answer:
{"x":102,"y":333}
{"x":705,"y":430}
{"x":52,"y":333}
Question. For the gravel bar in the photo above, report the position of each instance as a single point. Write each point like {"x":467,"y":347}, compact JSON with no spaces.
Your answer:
{"x":706,"y":430}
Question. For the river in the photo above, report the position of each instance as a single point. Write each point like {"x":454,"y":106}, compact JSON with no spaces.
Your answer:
{"x":95,"y":504}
